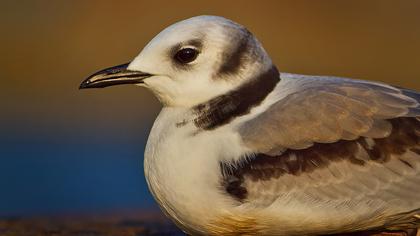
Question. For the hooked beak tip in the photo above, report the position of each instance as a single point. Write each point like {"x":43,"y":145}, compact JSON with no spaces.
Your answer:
{"x":116,"y":75}
{"x":85,"y":84}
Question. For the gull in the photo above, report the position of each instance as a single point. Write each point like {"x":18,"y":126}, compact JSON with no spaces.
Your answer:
{"x":242,"y":149}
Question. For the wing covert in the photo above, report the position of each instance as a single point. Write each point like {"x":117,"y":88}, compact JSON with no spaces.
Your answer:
{"x":325,"y":110}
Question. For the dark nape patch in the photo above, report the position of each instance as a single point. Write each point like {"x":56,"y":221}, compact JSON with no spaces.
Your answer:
{"x":234,"y":58}
{"x":264,"y":167}
{"x":222,"y":109}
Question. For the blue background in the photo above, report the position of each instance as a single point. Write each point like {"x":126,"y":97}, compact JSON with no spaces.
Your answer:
{"x":52,"y":175}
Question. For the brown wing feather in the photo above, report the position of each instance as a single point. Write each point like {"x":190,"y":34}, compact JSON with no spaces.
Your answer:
{"x":383,"y":173}
{"x":346,"y":149}
{"x":405,"y":136}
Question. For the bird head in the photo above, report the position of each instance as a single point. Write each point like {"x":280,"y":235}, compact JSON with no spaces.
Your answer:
{"x":191,"y":62}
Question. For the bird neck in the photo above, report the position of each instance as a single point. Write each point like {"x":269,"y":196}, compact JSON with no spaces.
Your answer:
{"x":238,"y":102}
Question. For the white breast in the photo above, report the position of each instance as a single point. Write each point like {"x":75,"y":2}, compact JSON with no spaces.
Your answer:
{"x":182,"y":168}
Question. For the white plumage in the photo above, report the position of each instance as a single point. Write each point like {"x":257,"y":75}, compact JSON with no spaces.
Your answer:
{"x":240,"y":149}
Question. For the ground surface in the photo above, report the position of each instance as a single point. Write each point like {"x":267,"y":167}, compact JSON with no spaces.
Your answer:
{"x":93,"y":225}
{"x":116,"y":224}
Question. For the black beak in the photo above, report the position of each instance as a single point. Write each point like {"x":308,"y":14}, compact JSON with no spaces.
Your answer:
{"x":114,"y":76}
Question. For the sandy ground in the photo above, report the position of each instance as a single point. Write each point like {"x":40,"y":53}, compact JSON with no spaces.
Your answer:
{"x":119,"y":224}
{"x":115,"y":224}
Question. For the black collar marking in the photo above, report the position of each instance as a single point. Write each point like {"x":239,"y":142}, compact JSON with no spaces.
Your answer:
{"x":222,"y":109}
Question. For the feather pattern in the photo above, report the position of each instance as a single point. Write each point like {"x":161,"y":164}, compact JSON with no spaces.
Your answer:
{"x":325,"y":110}
{"x":337,"y":143}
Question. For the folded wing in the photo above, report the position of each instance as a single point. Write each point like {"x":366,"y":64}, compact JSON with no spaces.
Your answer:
{"x":325,"y":110}
{"x":346,"y":148}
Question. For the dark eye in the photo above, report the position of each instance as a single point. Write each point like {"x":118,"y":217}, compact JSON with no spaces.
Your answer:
{"x":186,"y":55}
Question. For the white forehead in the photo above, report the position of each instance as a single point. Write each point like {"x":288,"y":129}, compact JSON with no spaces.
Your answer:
{"x":200,"y":26}
{"x":214,"y":30}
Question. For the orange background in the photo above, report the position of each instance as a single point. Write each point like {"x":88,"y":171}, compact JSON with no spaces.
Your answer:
{"x":48,"y":47}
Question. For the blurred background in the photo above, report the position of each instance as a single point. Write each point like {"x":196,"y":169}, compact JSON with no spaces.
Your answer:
{"x":67,"y":151}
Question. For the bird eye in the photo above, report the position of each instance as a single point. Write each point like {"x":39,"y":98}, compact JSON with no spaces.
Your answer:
{"x":186,"y":55}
